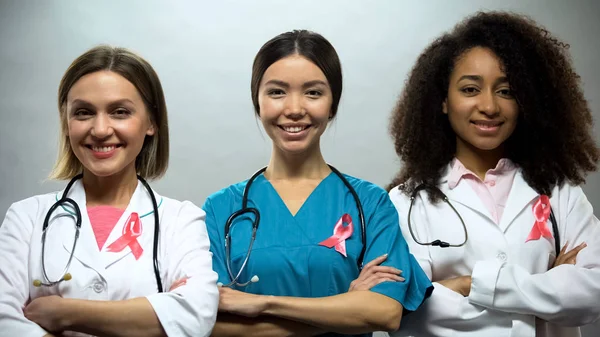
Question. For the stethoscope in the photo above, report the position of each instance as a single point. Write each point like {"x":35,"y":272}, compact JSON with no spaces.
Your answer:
{"x":64,"y":200}
{"x":444,"y":244}
{"x":256,"y":220}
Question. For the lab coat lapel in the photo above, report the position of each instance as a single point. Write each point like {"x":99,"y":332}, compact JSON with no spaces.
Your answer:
{"x":141,"y":204}
{"x":464,"y":195}
{"x":521,"y":195}
{"x":86,"y":250}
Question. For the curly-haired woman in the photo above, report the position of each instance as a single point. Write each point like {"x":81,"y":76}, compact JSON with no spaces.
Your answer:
{"x":495,"y":137}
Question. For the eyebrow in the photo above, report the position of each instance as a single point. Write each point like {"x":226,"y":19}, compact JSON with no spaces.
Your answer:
{"x":305,"y":85}
{"x":477,"y":78}
{"x":85,"y":103}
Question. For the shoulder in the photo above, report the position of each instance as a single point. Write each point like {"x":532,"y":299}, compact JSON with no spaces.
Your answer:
{"x":569,"y":194}
{"x":364,"y":187}
{"x":370,"y":194}
{"x":24,"y":215}
{"x":398,"y":197}
{"x":174,"y":207}
{"x":225,"y":196}
{"x":36,"y":202}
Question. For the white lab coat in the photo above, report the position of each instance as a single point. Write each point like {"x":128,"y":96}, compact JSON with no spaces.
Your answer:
{"x":189,"y":310}
{"x":513,"y":292}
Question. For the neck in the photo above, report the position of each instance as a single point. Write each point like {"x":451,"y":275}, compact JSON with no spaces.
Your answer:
{"x":306,"y":165}
{"x":115,"y":190}
{"x":476,"y":160}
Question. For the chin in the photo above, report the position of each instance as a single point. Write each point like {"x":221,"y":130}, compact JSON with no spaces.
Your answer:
{"x":103,"y":171}
{"x":294,"y":149}
{"x":487,"y":146}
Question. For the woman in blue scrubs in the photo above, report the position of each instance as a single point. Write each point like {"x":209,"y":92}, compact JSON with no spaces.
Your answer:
{"x":307,"y":249}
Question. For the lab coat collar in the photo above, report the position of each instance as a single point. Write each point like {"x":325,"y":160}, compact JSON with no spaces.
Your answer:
{"x":463,"y":194}
{"x":86,"y":251}
{"x":140,"y":203}
{"x":521,"y":195}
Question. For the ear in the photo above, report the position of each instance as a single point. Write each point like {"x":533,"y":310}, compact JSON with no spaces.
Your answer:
{"x":445,"y":106}
{"x":151,"y":130}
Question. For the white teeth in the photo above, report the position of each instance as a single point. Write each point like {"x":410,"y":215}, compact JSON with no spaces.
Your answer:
{"x":103,"y":148}
{"x":293,"y":129}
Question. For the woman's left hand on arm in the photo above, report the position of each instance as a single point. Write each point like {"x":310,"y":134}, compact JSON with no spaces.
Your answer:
{"x":241,"y":303}
{"x":373,"y":273}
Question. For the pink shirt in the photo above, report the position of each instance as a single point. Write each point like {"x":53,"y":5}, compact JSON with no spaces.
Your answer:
{"x":493,"y":190}
{"x":103,"y":220}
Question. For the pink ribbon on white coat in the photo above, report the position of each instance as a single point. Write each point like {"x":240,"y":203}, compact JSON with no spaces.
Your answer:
{"x":131,"y":231}
{"x":541,"y":212}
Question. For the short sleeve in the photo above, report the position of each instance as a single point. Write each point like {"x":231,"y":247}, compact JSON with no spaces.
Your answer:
{"x":384,"y":237}
{"x":216,"y":234}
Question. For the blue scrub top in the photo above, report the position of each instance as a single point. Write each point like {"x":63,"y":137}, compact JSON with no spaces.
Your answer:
{"x":286,"y":255}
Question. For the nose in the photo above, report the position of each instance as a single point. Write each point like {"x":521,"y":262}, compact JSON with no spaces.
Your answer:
{"x":101,"y":127}
{"x":294,"y":108}
{"x":488,"y":104}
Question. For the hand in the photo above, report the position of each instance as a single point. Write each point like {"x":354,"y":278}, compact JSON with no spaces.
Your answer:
{"x":47,"y":312}
{"x":241,"y":303}
{"x":461,"y":284}
{"x":178,"y":283}
{"x":372,"y":274}
{"x":569,"y":257}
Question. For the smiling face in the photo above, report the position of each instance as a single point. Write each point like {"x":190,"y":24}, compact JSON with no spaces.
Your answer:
{"x":295,"y":104}
{"x":107,"y":123}
{"x":480,"y":106}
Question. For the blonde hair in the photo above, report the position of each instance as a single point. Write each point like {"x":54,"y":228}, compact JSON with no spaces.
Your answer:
{"x":153,"y":159}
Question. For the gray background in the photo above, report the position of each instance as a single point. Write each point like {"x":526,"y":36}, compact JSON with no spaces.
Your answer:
{"x":203,"y":51}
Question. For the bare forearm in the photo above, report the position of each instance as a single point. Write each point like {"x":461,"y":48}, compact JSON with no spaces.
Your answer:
{"x":229,"y":325}
{"x":133,"y":317}
{"x":349,"y":313}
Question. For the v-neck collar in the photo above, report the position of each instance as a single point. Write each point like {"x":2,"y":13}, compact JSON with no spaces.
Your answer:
{"x":264,"y":180}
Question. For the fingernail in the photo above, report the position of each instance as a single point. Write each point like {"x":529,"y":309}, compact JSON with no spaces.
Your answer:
{"x":584,"y":244}
{"x":384,"y":255}
{"x":398,"y":271}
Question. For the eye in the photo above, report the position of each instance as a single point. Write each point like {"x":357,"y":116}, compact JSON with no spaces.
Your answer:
{"x":82,"y":114}
{"x":469,"y":90}
{"x":505,"y":92}
{"x":314,"y":93}
{"x":121,"y":113}
{"x":275,"y":92}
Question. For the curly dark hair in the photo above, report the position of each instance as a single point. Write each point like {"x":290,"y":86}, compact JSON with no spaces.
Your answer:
{"x":553,"y":139}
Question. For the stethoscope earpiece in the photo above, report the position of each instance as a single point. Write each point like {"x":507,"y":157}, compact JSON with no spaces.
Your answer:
{"x":39,"y":283}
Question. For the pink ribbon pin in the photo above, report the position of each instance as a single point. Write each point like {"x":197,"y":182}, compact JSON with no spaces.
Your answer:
{"x":541,"y":212}
{"x":131,"y":231}
{"x":340,"y":234}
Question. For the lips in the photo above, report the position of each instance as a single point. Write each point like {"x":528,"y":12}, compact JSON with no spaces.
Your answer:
{"x":103,"y":148}
{"x":103,"y":151}
{"x":293,"y":128}
{"x":487,"y":126}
